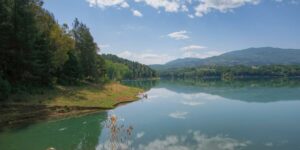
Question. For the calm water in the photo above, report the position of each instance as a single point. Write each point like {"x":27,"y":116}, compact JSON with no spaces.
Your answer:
{"x":179,"y":115}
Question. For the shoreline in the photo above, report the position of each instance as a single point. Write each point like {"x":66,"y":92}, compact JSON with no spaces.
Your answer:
{"x":21,"y":113}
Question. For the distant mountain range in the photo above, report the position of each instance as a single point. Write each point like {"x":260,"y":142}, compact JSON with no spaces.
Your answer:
{"x":246,"y":57}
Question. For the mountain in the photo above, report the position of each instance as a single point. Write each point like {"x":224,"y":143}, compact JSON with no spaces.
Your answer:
{"x":247,"y":57}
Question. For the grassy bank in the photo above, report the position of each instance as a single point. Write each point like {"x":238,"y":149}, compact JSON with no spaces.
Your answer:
{"x":86,"y":95}
{"x":64,"y":101}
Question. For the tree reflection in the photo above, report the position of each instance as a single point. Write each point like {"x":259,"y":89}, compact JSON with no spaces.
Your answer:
{"x":251,"y":90}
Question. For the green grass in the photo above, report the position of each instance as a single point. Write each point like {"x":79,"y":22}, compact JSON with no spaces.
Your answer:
{"x":87,"y":95}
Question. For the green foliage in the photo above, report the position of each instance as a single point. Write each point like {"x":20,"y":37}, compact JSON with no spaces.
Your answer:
{"x":116,"y":71}
{"x":231,"y":72}
{"x":70,"y":73}
{"x":36,"y":51}
{"x":101,"y":68}
{"x":248,"y":57}
{"x":136,"y":70}
{"x":18,"y":39}
{"x":87,"y":50}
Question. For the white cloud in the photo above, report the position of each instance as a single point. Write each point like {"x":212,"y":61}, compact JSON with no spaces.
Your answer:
{"x":146,"y":58}
{"x":124,"y":5}
{"x":223,"y":6}
{"x":203,"y":6}
{"x":198,"y":51}
{"x":137,"y":13}
{"x":191,"y":16}
{"x":179,"y":35}
{"x":168,"y":5}
{"x":178,"y":115}
{"x":184,"y":8}
{"x":201,"y":54}
{"x":192,"y":47}
{"x":108,"y":3}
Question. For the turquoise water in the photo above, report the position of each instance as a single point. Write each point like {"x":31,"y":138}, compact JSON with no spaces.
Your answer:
{"x":180,"y":115}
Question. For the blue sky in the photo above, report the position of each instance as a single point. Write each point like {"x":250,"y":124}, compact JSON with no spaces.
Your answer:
{"x":157,"y":31}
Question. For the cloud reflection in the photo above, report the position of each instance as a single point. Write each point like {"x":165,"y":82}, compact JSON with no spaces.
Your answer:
{"x":189,"y":140}
{"x":202,"y":96}
{"x":140,"y":135}
{"x":192,"y":103}
{"x":195,"y":140}
{"x":196,"y":99}
{"x":178,"y":115}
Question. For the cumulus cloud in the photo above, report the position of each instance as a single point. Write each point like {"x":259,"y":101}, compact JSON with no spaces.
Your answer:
{"x":223,"y":6}
{"x":184,"y":8}
{"x":137,"y":13}
{"x":179,"y":35}
{"x":168,"y":5}
{"x":146,"y":58}
{"x":202,"y":6}
{"x":124,"y":5}
{"x":178,"y":115}
{"x":192,"y":47}
{"x":108,"y":3}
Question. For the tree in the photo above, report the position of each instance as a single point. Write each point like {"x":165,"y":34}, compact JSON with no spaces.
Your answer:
{"x":87,"y":49}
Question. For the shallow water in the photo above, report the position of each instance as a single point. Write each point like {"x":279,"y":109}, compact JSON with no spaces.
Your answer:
{"x":180,"y":115}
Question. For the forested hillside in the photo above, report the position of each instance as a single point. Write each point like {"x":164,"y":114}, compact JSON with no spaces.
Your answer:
{"x":247,"y":57}
{"x":251,"y":62}
{"x":232,"y":72}
{"x":36,"y":51}
{"x":122,"y":68}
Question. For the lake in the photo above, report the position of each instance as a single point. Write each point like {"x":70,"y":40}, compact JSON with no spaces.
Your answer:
{"x":179,"y":115}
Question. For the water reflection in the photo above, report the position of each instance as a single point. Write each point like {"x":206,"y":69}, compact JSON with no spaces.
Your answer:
{"x":243,"y":90}
{"x":178,"y":115}
{"x":145,"y":84}
{"x":119,"y":136}
{"x":78,"y":133}
{"x":195,"y":140}
{"x":173,"y":116}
